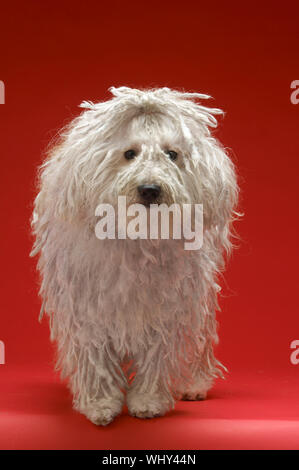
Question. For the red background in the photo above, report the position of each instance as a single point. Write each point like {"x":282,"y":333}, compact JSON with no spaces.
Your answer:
{"x":57,"y":54}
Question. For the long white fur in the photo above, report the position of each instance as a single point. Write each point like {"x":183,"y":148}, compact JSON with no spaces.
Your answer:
{"x":147,"y":303}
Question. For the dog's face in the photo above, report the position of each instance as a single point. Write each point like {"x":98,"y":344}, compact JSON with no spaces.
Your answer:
{"x":149,"y":162}
{"x":152,"y":147}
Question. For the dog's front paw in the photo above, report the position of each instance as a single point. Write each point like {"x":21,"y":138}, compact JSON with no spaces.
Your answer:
{"x":147,"y":405}
{"x":102,"y":412}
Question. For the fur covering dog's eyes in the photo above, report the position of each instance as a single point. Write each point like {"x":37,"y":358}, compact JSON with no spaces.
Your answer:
{"x":130,"y":154}
{"x":172,"y":154}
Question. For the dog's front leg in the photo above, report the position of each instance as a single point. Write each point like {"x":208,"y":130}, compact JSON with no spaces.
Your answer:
{"x":149,"y":394}
{"x":97,"y":385}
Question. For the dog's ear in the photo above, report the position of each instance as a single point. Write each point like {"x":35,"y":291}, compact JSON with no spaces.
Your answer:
{"x":214,"y":172}
{"x":219,"y":192}
{"x":61,"y":190}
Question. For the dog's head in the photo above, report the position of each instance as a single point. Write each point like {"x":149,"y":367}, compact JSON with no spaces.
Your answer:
{"x":152,"y":146}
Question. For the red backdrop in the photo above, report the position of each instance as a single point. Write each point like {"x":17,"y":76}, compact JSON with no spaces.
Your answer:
{"x":57,"y":54}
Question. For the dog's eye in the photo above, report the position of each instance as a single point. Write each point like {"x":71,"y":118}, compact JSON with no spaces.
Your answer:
{"x":172,"y":154}
{"x":129,"y":154}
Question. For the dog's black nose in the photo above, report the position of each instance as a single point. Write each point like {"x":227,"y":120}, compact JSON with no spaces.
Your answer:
{"x":149,"y":192}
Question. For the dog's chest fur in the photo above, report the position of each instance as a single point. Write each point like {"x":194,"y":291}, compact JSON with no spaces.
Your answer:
{"x":128,"y":291}
{"x":144,"y":288}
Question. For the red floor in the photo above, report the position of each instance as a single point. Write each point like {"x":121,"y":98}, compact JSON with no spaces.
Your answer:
{"x":253,"y":411}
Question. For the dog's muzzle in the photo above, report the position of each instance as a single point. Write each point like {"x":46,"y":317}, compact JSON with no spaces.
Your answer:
{"x":149,"y":193}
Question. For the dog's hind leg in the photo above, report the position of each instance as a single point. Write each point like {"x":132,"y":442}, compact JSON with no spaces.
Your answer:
{"x":203,"y":372}
{"x":198,"y":390}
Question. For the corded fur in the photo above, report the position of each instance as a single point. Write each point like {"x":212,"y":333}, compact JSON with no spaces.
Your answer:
{"x":147,"y":302}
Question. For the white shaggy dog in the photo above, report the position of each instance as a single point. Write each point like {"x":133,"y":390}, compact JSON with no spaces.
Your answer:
{"x":149,"y":304}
